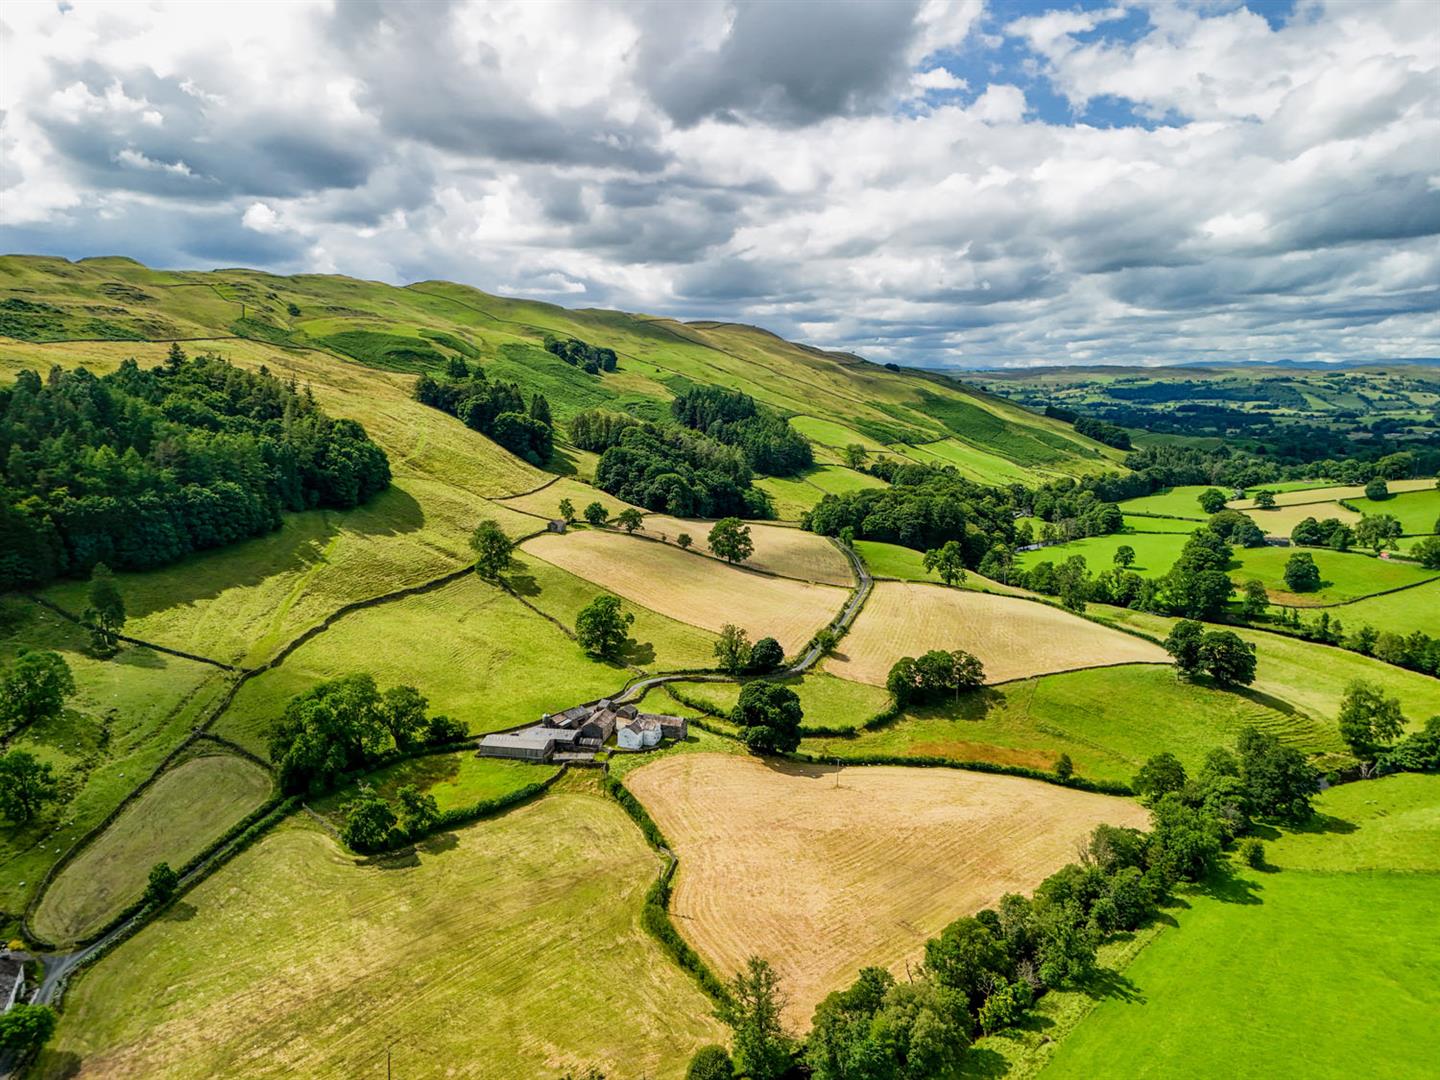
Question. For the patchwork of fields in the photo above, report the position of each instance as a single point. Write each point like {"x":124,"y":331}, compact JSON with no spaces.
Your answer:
{"x":1013,"y":638}
{"x":824,"y":872}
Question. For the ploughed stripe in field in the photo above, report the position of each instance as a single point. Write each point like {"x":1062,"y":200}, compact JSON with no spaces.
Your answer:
{"x":701,"y":591}
{"x":824,"y":872}
{"x":1014,"y":638}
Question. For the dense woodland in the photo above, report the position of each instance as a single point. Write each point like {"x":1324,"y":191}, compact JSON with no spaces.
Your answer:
{"x":674,"y":470}
{"x":772,"y":447}
{"x":141,"y":467}
{"x":493,"y":408}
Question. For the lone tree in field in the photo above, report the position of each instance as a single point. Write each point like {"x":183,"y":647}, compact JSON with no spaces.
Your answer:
{"x":1212,"y":500}
{"x":947,"y":562}
{"x":1301,"y":573}
{"x":685,"y":540}
{"x":754,"y":1009}
{"x":26,"y":784}
{"x":1124,"y":556}
{"x":162,"y":884}
{"x":1377,"y":490}
{"x":106,"y":613}
{"x":492,"y":549}
{"x":567,"y":511}
{"x":854,"y":455}
{"x":630,"y":519}
{"x":1064,"y":767}
{"x":596,"y":514}
{"x":732,"y":649}
{"x":730,"y":539}
{"x":33,"y":688}
{"x":1378,"y":532}
{"x":1228,"y":658}
{"x":368,"y":821}
{"x":765,"y":656}
{"x":1183,"y":645}
{"x":1254,"y":600}
{"x":1370,"y":719}
{"x":602,"y":627}
{"x":1265,"y":500}
{"x":770,"y":716}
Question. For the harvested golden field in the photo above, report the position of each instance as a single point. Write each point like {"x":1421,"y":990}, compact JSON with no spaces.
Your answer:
{"x":1350,"y":491}
{"x":1282,"y":520}
{"x":824,"y":874}
{"x":789,"y":552}
{"x":1013,"y":638}
{"x":546,"y":500}
{"x":691,"y":588}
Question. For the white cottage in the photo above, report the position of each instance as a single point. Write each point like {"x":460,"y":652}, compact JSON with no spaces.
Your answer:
{"x":641,"y":733}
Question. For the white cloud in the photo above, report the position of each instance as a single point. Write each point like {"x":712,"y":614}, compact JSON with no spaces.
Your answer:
{"x":575,"y":150}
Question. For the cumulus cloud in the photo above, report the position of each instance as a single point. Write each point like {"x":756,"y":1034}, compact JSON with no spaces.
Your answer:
{"x":920,"y":181}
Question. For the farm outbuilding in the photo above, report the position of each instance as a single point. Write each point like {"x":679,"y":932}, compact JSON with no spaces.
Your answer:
{"x":640,"y":733}
{"x":537,"y":743}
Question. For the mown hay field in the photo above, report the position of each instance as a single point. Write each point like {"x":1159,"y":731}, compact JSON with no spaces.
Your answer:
{"x":1108,"y":720}
{"x":827,"y":701}
{"x":190,"y":805}
{"x":691,"y":588}
{"x":1013,"y":638}
{"x":1330,"y":494}
{"x":546,"y":501}
{"x":1345,"y":928}
{"x":788,"y":552}
{"x":476,"y":652}
{"x":823,"y":873}
{"x":507,"y":950}
{"x":1281,"y":521}
{"x":127,"y":714}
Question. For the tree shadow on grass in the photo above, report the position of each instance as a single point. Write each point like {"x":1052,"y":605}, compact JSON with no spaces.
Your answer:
{"x":1105,"y":983}
{"x":638,"y":653}
{"x":562,"y":463}
{"x":984,"y":1064}
{"x":61,"y":1064}
{"x":1230,"y":888}
{"x":139,"y":657}
{"x":401,"y":860}
{"x":180,"y":911}
{"x":439,"y":843}
{"x":523,"y":585}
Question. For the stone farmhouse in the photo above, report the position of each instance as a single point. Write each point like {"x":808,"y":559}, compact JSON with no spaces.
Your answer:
{"x":578,"y":732}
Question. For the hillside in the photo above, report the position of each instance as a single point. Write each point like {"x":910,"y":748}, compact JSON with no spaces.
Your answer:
{"x":52,"y":310}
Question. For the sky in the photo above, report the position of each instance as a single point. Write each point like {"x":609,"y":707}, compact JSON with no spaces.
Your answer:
{"x":977,"y":183}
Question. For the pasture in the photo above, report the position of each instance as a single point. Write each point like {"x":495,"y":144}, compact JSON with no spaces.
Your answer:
{"x":510,"y":950}
{"x":823,"y":872}
{"x":476,"y":652}
{"x":1401,"y":612}
{"x":457,"y":781}
{"x":779,"y":549}
{"x":827,"y":701}
{"x":907,"y":564}
{"x":1334,"y":951}
{"x":693,"y":589}
{"x":127,"y":714}
{"x":1155,"y":552}
{"x":1416,"y":510}
{"x":1310,"y":676}
{"x":1108,"y":720}
{"x":190,"y":805}
{"x":1330,"y":494}
{"x":1014,"y":638}
{"x":1170,"y":502}
{"x":973,"y":463}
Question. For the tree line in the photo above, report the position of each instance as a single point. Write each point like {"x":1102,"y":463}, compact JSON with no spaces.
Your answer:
{"x":592,"y":359}
{"x":770,"y":445}
{"x":142,"y":467}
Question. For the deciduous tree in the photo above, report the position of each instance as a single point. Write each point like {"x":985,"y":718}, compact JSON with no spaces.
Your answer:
{"x":368,"y":821}
{"x":161,"y":885}
{"x":732,"y":649}
{"x":630,"y":519}
{"x":1378,"y":532}
{"x":33,"y":688}
{"x":754,"y":1010}
{"x":1301,"y":572}
{"x":596,"y":514}
{"x":770,"y":716}
{"x":106,"y":613}
{"x":1370,"y":719}
{"x":947,"y":562}
{"x":492,"y":549}
{"x":26,"y":784}
{"x":603,"y":626}
{"x":730,"y":539}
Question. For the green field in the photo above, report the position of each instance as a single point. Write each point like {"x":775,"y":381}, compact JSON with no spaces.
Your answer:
{"x":1140,"y":524}
{"x":974,"y":463}
{"x":175,"y":819}
{"x":1417,"y":510}
{"x":1309,"y":676}
{"x":457,"y":781}
{"x":1403,"y":612}
{"x":1344,"y":575}
{"x":511,"y":948}
{"x":127,"y":714}
{"x":794,"y":495}
{"x":1292,"y":973}
{"x":1175,"y":502}
{"x":477,"y":653}
{"x":907,"y":564}
{"x":1109,"y":720}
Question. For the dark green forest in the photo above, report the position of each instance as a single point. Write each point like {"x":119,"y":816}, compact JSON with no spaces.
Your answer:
{"x":141,"y":467}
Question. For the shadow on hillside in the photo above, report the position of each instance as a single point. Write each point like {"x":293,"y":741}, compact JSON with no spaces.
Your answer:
{"x":523,"y":585}
{"x":1259,"y":697}
{"x":562,"y":463}
{"x":60,"y":1064}
{"x":1230,"y":888}
{"x":1105,"y":983}
{"x":638,"y":653}
{"x":986,"y":1064}
{"x":180,"y":911}
{"x":439,"y":843}
{"x":971,"y":705}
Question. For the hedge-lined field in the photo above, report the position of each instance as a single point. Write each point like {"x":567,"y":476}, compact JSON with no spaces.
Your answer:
{"x":188,"y":807}
{"x":511,"y":949}
{"x":127,"y":714}
{"x":1295,"y":972}
{"x":1108,"y":720}
{"x":457,"y":781}
{"x":823,"y":874}
{"x":1014,"y":638}
{"x":700,"y":591}
{"x":779,"y":549}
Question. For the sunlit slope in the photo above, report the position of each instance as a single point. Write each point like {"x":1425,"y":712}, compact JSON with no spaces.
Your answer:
{"x":405,"y":331}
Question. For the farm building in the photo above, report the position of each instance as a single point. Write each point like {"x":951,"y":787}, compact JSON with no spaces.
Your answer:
{"x":640,"y":733}
{"x":529,"y":744}
{"x":12,"y":980}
